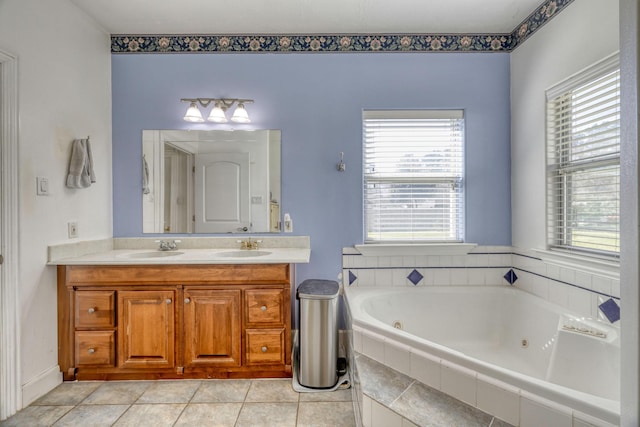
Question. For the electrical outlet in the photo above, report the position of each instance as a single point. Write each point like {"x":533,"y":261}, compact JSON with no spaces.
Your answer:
{"x":73,"y":229}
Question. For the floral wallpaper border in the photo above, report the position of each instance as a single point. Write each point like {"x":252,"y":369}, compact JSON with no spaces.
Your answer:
{"x":253,"y":43}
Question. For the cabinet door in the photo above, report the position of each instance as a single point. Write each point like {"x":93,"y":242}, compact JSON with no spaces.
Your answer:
{"x":212,"y":328}
{"x":146,"y":329}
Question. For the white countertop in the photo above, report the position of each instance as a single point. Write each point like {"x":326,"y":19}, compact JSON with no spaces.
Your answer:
{"x":190,"y":251}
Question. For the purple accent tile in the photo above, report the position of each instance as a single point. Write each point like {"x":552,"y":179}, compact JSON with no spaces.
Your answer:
{"x":511,"y":277}
{"x":352,"y":278}
{"x":415,"y":277}
{"x":610,"y":309}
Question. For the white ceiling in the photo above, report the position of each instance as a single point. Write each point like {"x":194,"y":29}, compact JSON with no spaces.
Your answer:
{"x":307,"y":16}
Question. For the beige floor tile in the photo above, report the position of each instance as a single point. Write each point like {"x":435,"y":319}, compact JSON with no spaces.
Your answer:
{"x":169,"y":392}
{"x":327,"y":396}
{"x":221,"y":391}
{"x":36,"y":416}
{"x":68,"y":393}
{"x":156,"y":415}
{"x":193,"y":403}
{"x":209,"y":414}
{"x":326,"y":414}
{"x":272,"y":391}
{"x":92,"y":415}
{"x":117,"y":393}
{"x":268,"y":415}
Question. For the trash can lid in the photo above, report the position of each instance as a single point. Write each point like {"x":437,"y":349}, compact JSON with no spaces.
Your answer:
{"x":318,"y":289}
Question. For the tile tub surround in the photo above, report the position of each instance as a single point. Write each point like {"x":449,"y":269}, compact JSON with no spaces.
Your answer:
{"x":589,"y":291}
{"x":572,"y":286}
{"x":392,"y":399}
{"x":232,"y":403}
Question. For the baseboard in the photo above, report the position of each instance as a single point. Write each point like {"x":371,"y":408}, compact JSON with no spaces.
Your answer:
{"x":41,"y":385}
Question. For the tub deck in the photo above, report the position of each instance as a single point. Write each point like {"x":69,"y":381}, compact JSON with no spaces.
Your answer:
{"x":392,"y":398}
{"x":530,"y":362}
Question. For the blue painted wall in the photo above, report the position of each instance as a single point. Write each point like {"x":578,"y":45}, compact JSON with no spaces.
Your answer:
{"x":317,"y":102}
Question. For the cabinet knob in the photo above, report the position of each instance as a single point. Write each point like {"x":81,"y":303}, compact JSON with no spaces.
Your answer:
{"x":187,"y":300}
{"x":264,"y":349}
{"x":168,"y":300}
{"x":263,"y":308}
{"x":92,"y":310}
{"x":91,"y":350}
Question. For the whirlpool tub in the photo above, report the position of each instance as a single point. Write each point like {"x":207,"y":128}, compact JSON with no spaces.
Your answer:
{"x":498,"y":348}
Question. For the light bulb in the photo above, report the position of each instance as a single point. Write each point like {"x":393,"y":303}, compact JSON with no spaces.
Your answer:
{"x":240,"y":115}
{"x":193,"y":114}
{"x":217,"y":114}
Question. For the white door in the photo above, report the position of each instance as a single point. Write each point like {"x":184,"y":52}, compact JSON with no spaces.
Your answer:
{"x":222,"y":197}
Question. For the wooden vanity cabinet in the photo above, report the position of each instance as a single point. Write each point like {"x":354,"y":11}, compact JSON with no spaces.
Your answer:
{"x":174,"y":321}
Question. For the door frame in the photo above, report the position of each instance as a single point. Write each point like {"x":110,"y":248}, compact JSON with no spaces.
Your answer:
{"x":10,"y":389}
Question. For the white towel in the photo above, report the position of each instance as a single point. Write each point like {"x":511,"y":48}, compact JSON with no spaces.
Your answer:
{"x":81,"y":174}
{"x":145,"y":176}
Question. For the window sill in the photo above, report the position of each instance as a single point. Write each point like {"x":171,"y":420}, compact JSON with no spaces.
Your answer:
{"x":610,"y":268}
{"x":382,"y":249}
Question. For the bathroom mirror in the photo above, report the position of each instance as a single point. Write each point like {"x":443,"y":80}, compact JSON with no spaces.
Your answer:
{"x":210,"y":181}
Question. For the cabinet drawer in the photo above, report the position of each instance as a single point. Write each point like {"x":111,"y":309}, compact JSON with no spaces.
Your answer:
{"x":95,"y":348}
{"x":265,"y":346}
{"x":95,"y":309}
{"x":264,"y":306}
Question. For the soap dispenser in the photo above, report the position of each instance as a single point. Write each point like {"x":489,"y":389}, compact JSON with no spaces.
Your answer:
{"x":288,"y":223}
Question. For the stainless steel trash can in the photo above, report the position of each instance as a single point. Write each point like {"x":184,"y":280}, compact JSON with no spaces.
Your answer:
{"x":318,"y":351}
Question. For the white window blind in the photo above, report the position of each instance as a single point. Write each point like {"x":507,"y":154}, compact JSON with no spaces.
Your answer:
{"x":413,"y":175}
{"x":583,"y":161}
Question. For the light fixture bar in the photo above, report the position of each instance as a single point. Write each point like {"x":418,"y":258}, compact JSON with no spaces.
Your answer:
{"x":218,"y":112}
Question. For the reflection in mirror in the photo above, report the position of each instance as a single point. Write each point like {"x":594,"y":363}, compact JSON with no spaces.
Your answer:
{"x":210,"y":181}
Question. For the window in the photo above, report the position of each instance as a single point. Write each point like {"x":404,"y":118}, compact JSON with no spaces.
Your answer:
{"x":413,"y":176}
{"x":583,"y":161}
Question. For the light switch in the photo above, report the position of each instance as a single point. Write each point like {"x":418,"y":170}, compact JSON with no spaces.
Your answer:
{"x":42,"y":186}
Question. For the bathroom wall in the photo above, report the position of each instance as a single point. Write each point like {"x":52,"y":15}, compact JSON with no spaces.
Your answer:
{"x":584,"y":33}
{"x":317,"y":102}
{"x":549,"y":56}
{"x":64,"y":92}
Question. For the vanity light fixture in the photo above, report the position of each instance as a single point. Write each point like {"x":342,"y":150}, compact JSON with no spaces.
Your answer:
{"x":218,"y":112}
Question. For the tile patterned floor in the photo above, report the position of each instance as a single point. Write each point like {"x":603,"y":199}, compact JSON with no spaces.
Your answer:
{"x":233,"y":403}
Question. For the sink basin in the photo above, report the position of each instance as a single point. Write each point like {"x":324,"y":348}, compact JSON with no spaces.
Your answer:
{"x":152,"y":254}
{"x":242,"y":254}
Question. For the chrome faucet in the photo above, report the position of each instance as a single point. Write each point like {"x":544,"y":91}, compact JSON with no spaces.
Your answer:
{"x":168,"y":246}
